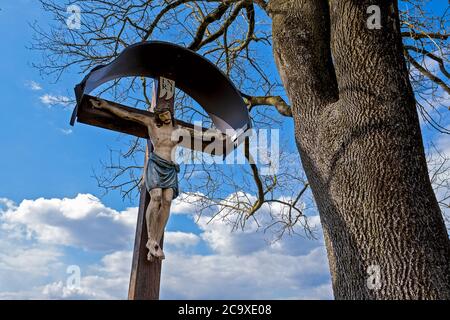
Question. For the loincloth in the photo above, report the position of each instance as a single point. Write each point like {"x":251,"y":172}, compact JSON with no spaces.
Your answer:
{"x":161,"y":173}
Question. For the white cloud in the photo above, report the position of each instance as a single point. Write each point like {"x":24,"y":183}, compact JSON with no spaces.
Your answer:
{"x":443,"y":144}
{"x":191,"y":207}
{"x":40,"y":238}
{"x":247,"y":264}
{"x":82,"y":222}
{"x":438,"y":160}
{"x":66,"y":131}
{"x":114,"y":263}
{"x":24,"y":265}
{"x":109,"y":280}
{"x":6,"y":203}
{"x":52,"y":100}
{"x":217,"y":228}
{"x":260,"y":275}
{"x":33,"y":85}
{"x":58,"y":290}
{"x":181,"y":239}
{"x":20,"y":260}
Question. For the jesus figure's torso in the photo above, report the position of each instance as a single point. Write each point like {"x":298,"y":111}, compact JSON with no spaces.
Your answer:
{"x":163,"y":140}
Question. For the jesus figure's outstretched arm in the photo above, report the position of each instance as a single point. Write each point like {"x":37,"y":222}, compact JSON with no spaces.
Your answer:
{"x":122,"y":113}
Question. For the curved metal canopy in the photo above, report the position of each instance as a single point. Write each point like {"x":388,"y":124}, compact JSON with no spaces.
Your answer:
{"x":192,"y":73}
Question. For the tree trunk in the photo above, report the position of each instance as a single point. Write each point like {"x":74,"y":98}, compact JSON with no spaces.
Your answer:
{"x":358,"y":134}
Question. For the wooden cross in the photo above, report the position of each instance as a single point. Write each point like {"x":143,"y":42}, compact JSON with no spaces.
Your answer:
{"x":145,"y":276}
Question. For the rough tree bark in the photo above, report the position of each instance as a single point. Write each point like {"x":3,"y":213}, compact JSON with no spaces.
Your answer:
{"x":358,"y":134}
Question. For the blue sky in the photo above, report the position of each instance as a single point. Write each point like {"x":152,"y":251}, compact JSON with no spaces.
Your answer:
{"x":46,"y":161}
{"x":53,"y":215}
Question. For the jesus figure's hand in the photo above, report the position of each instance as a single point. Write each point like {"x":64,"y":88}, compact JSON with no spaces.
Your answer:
{"x":98,"y":104}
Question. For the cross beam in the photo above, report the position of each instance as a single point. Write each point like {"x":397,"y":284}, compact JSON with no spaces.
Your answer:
{"x":202,"y":139}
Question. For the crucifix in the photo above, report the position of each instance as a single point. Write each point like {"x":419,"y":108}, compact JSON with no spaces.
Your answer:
{"x":164,"y":133}
{"x":160,"y":170}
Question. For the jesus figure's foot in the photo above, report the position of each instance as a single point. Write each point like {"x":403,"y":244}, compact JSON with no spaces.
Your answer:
{"x":154,"y":251}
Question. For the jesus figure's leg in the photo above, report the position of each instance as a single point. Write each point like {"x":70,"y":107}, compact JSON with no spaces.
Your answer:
{"x":152,"y":218}
{"x":163,"y":216}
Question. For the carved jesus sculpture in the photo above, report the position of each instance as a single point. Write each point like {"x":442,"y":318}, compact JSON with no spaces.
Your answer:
{"x":160,"y":175}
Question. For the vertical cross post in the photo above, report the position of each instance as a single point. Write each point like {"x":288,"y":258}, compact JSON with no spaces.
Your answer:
{"x":145,"y":275}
